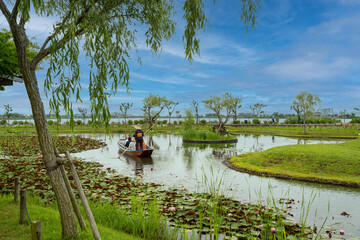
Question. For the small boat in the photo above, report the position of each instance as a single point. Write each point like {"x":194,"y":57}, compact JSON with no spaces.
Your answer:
{"x":132,"y":152}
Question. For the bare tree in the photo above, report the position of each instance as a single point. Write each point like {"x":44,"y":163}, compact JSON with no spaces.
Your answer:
{"x":170,"y":106}
{"x":256,"y":109}
{"x":83,"y":112}
{"x":237,"y":106}
{"x":8,"y":111}
{"x":296,"y":108}
{"x":124,"y":107}
{"x":195,"y":105}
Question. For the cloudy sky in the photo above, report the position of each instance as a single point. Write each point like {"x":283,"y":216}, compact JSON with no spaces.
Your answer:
{"x":297,"y":45}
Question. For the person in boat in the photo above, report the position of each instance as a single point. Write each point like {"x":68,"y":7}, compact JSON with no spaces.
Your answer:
{"x":139,"y":134}
{"x":127,"y":144}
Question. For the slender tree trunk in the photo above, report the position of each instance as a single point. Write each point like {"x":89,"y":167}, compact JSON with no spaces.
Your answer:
{"x":68,"y":222}
{"x":305,"y":123}
{"x":28,"y":73}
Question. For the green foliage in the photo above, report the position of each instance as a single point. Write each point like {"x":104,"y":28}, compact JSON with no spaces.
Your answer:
{"x":9,"y":64}
{"x":332,"y":163}
{"x":305,"y":103}
{"x":226,"y":103}
{"x":152,"y":107}
{"x":130,"y":122}
{"x":323,"y":120}
{"x":188,"y":121}
{"x":256,"y":109}
{"x":355,"y":120}
{"x":256,"y":121}
{"x":204,"y":136}
{"x":14,"y":122}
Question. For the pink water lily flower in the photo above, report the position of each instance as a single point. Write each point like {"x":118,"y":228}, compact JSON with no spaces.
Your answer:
{"x":229,"y":215}
{"x":342,"y":232}
{"x":171,"y":209}
{"x":273,"y":229}
{"x":260,"y":226}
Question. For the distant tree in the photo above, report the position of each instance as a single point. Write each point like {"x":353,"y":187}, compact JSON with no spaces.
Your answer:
{"x":8,"y":111}
{"x":178,"y":114}
{"x":237,"y":106}
{"x":152,"y":107}
{"x":306,"y":103}
{"x":83,"y":112}
{"x":357,"y":109}
{"x":296,"y":108}
{"x":124,"y":107}
{"x":222,"y":105}
{"x":170,"y":106}
{"x":195,"y":105}
{"x":343,"y":114}
{"x":256,"y":109}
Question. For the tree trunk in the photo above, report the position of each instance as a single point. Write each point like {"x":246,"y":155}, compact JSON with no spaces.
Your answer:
{"x":304,"y":123}
{"x":28,"y":73}
{"x":68,"y":222}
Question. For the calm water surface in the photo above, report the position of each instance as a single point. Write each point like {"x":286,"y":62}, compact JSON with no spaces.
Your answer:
{"x":185,"y":165}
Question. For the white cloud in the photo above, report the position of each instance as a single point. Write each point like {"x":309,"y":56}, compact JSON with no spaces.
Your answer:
{"x":307,"y":68}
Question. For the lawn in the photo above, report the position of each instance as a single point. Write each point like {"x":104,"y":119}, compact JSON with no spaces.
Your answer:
{"x":329,"y":163}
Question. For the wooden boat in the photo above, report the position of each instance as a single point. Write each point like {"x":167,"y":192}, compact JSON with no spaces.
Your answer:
{"x":132,"y":152}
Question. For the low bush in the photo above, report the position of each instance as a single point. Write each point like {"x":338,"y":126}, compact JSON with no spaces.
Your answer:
{"x":78,"y":122}
{"x":256,"y":121}
{"x":130,"y":122}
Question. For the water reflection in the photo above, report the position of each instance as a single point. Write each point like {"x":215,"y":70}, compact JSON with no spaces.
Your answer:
{"x":176,"y":164}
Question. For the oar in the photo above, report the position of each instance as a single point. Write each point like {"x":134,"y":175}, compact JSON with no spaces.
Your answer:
{"x":134,"y":142}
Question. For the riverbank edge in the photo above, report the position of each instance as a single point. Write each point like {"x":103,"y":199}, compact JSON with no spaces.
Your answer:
{"x":211,"y":141}
{"x":312,"y":179}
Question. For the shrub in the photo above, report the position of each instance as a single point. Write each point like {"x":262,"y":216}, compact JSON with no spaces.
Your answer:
{"x":164,"y":122}
{"x":136,"y":122}
{"x":256,"y":121}
{"x":3,"y":122}
{"x":175,"y":122}
{"x":355,"y":120}
{"x":15,"y":122}
{"x":21,"y":122}
{"x":203,"y":121}
{"x":265,"y":122}
{"x":50,"y":122}
{"x":141,"y":121}
{"x":158,"y":122}
{"x":180,"y":122}
{"x":78,"y":122}
{"x":26,"y":122}
{"x":237,"y":122}
{"x":130,"y":122}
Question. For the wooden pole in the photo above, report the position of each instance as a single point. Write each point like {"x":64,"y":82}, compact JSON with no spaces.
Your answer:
{"x":72,"y":196}
{"x":87,"y":209}
{"x":22,"y":206}
{"x":17,"y":189}
{"x":36,"y":230}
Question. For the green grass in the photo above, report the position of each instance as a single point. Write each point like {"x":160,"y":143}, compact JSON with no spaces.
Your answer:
{"x":331,"y":163}
{"x":341,"y":132}
{"x":51,"y":226}
{"x":204,"y":136}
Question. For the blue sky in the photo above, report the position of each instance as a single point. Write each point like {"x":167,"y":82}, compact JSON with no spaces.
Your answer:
{"x":297,"y":45}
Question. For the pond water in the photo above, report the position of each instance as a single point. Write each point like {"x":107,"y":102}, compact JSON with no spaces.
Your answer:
{"x":174,"y":163}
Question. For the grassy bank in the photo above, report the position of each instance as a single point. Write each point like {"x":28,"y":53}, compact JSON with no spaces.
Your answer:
{"x":338,"y":132}
{"x":328,"y":163}
{"x":49,"y":215}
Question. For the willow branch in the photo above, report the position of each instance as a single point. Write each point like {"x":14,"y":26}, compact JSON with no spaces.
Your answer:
{"x":45,"y":51}
{"x":4,"y":10}
{"x":15,"y":10}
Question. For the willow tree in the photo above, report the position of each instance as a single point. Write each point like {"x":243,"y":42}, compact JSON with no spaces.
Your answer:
{"x":105,"y":30}
{"x":306,"y":103}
